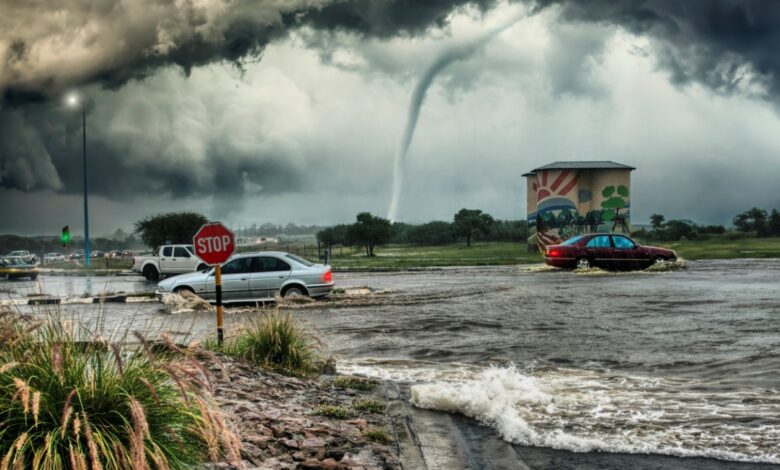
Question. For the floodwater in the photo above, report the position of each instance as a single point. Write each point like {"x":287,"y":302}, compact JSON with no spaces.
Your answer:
{"x":681,"y":363}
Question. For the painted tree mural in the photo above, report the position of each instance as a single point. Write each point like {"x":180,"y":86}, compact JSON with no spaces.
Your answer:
{"x":614,"y":201}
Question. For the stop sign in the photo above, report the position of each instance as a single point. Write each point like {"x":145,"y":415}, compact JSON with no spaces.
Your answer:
{"x":214,"y":243}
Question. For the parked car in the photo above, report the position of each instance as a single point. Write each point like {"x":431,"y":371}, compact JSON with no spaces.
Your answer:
{"x":53,"y":258}
{"x":97,"y":254}
{"x":606,"y":251}
{"x":77,"y":254}
{"x":25,"y":255}
{"x":127,"y":253}
{"x":167,"y":260}
{"x":251,"y":277}
{"x":14,"y":268}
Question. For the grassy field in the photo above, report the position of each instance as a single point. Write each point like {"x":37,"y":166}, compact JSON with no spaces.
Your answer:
{"x":500,"y":253}
{"x":721,"y":248}
{"x":397,"y":256}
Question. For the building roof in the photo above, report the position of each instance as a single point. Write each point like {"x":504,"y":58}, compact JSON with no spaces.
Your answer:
{"x":583,"y":165}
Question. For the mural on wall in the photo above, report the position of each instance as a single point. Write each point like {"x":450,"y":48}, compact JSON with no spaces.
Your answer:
{"x":565,"y":206}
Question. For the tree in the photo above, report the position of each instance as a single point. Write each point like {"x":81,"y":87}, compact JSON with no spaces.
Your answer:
{"x":774,"y":223}
{"x":468,"y":222}
{"x":753,"y":220}
{"x":336,"y":235}
{"x":612,"y":205}
{"x":432,"y":233}
{"x":173,"y":227}
{"x":677,"y":229}
{"x":369,"y":231}
{"x":657,"y":221}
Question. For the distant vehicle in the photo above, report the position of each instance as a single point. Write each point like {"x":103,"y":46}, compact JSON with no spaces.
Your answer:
{"x":53,"y":258}
{"x":114,"y":254}
{"x":97,"y":254}
{"x":167,"y":260}
{"x":607,"y":251}
{"x":23,"y":254}
{"x":14,"y":268}
{"x":126,"y":253}
{"x":77,"y":254}
{"x":251,"y":277}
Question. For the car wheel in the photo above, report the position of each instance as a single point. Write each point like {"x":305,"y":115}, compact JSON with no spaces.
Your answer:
{"x":583,"y":263}
{"x":294,"y":291}
{"x":659,"y":259}
{"x":151,"y":273}
{"x":180,"y":290}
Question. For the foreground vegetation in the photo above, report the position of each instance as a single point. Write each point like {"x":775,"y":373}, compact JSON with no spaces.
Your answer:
{"x":72,"y":400}
{"x":274,"y":341}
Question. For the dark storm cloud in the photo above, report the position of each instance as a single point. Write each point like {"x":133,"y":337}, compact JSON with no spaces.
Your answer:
{"x":727,"y":45}
{"x":47,"y":48}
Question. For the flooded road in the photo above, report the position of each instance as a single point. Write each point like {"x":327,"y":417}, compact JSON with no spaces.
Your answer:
{"x":681,"y":363}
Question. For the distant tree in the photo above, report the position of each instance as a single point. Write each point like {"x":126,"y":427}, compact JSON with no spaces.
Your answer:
{"x":711,"y":229}
{"x":468,"y":222}
{"x":774,"y":223}
{"x":369,"y":231}
{"x":173,"y":227}
{"x":753,"y":220}
{"x":508,"y":231}
{"x":678,"y":229}
{"x":657,"y":221}
{"x":399,"y":232}
{"x":432,"y":233}
{"x":335,"y":235}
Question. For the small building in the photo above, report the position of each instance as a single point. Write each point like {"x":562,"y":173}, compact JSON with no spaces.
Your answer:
{"x":570,"y":198}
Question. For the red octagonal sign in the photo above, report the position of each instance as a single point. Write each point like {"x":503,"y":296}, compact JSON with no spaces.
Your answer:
{"x":214,"y":243}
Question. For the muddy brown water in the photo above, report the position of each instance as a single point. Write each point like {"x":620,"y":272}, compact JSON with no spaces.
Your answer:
{"x":681,"y":363}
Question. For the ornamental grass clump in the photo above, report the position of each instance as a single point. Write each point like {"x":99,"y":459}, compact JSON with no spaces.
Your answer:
{"x":274,"y":341}
{"x":69,"y":403}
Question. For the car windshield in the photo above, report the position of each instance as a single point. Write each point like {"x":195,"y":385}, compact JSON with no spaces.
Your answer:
{"x":573,"y":240}
{"x":300,"y":260}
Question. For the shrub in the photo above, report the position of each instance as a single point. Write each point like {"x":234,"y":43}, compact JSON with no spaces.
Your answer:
{"x":332,"y":411}
{"x":274,"y":341}
{"x":370,"y":406}
{"x":77,"y":404}
{"x":355,"y":383}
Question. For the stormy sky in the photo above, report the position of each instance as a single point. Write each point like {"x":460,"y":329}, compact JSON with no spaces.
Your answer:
{"x":293,"y":110}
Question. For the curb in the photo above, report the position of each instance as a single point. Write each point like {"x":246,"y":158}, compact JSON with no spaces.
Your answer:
{"x":47,"y":300}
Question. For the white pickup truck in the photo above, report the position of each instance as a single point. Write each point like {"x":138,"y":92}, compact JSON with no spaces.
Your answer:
{"x":167,"y":260}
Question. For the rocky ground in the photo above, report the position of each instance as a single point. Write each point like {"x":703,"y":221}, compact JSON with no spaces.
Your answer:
{"x":291,"y":423}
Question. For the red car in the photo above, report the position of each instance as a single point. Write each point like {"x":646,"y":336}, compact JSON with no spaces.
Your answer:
{"x":606,"y":251}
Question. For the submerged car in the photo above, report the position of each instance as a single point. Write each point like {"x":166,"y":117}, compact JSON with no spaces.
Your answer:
{"x":606,"y":251}
{"x":14,"y":268}
{"x":251,"y":277}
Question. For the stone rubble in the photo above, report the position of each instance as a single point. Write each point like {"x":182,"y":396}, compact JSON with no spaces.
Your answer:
{"x":274,"y":415}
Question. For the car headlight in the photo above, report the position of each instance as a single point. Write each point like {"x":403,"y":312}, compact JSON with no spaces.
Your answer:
{"x":160,"y":288}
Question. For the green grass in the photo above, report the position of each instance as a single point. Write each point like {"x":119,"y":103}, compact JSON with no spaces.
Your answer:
{"x":338,"y":412}
{"x":274,"y":341}
{"x":75,"y":404}
{"x":723,"y":248}
{"x":378,"y":435}
{"x":369,"y":406}
{"x":355,"y":383}
{"x":407,"y":256}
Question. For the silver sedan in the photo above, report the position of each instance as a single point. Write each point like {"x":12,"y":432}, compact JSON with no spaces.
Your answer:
{"x":250,"y":277}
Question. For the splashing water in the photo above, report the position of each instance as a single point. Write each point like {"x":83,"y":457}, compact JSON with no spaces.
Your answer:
{"x":452,"y":54}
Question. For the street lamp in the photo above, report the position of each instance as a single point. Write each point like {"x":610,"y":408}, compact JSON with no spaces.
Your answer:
{"x":73,"y":101}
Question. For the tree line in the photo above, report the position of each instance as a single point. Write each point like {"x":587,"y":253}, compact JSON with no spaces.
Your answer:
{"x":755,"y":221}
{"x":467,"y":225}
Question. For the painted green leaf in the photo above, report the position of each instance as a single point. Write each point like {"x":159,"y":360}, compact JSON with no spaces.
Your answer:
{"x":608,"y":191}
{"x":614,"y":203}
{"x":608,"y":215}
{"x":622,"y":190}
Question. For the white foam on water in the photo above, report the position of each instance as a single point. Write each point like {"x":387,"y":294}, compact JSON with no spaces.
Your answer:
{"x":584,"y":411}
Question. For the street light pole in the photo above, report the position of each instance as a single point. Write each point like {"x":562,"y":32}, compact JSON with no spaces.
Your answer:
{"x":74,"y":100}
{"x":86,"y":206}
